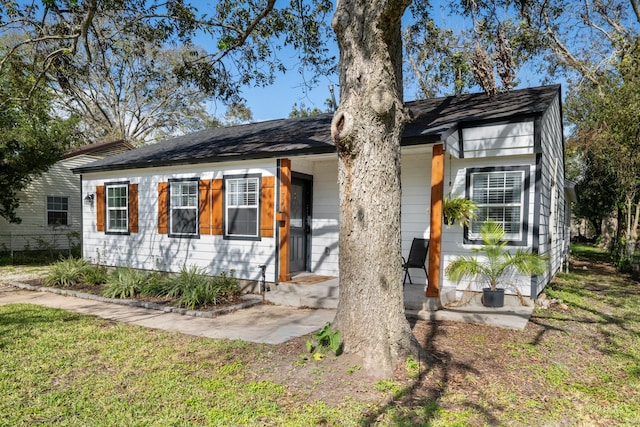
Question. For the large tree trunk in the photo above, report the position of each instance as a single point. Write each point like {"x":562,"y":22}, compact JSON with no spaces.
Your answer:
{"x":367,"y":129}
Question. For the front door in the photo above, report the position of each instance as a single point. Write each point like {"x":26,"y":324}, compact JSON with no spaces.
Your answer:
{"x":300,"y":223}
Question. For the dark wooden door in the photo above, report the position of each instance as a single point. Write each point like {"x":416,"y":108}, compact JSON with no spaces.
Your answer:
{"x":300,"y":224}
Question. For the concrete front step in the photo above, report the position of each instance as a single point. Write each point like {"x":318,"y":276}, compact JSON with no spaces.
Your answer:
{"x":318,"y":295}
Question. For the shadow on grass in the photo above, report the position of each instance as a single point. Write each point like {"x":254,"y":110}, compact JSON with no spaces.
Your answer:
{"x":17,"y":320}
{"x":418,"y":403}
{"x":597,"y":295}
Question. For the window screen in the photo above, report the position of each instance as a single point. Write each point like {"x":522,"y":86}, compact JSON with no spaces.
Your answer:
{"x":241,"y":216}
{"x":499,"y":197}
{"x":117,"y":208}
{"x":184,"y":207}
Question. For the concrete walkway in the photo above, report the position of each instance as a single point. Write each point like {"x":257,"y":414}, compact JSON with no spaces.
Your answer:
{"x":271,"y":324}
{"x":264,"y":323}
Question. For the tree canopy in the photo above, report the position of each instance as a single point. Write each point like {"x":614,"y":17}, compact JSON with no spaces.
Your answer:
{"x":31,"y":139}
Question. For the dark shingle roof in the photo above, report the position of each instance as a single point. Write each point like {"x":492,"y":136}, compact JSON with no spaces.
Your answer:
{"x":431,"y":119}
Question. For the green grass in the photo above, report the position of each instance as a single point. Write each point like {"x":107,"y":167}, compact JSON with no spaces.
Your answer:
{"x":66,"y":369}
{"x":575,"y":366}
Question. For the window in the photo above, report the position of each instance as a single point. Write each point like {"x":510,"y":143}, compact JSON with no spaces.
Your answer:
{"x":183,"y":204}
{"x":242,"y":206}
{"x":57,"y":210}
{"x":117,"y":198}
{"x":501,"y":195}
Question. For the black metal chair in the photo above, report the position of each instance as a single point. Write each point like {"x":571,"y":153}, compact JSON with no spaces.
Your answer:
{"x":417,"y":258}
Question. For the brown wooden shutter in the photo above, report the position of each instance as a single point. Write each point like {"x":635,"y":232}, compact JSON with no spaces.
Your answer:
{"x":267,"y":193}
{"x":163,"y":206}
{"x":205,"y":206}
{"x":100,"y":207}
{"x":133,"y":208}
{"x":216,"y":207}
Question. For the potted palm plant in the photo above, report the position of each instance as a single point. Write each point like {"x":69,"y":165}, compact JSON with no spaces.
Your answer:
{"x":458,"y":209}
{"x":493,"y":262}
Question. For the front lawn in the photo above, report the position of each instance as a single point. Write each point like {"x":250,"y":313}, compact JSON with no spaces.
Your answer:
{"x":576,"y":364}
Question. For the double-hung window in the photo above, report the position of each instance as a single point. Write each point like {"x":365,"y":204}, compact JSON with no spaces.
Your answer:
{"x":57,"y":210}
{"x":117,"y":207}
{"x":501,"y":195}
{"x":242,"y":195}
{"x":183,"y":207}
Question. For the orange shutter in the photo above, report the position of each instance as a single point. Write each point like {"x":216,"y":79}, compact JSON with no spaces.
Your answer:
{"x":163,"y":205}
{"x":133,"y":208}
{"x":216,"y":207}
{"x":100,"y":207}
{"x":267,"y":192}
{"x":205,"y":206}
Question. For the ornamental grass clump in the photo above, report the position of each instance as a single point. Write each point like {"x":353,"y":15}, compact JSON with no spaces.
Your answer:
{"x":67,"y":273}
{"x":194,"y":288}
{"x":125,"y":282}
{"x":493,"y":262}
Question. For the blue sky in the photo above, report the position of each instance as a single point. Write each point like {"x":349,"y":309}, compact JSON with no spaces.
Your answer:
{"x":277,"y":100}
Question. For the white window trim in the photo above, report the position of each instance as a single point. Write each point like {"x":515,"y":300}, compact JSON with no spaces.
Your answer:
{"x":513,"y":238}
{"x":255,"y":207}
{"x":47,"y":210}
{"x":110,"y":209}
{"x":180,"y":182}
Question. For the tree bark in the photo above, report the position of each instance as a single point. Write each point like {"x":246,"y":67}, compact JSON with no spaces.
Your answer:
{"x":367,"y":128}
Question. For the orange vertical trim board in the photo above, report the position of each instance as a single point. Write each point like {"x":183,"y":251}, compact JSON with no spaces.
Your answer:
{"x":267,"y":196}
{"x":216,"y":207}
{"x":133,"y":208}
{"x":204,"y":187}
{"x":435,"y":239}
{"x":284,"y":210}
{"x":163,"y":206}
{"x":100,"y":208}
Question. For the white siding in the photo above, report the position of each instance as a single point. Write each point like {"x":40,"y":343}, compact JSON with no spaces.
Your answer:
{"x":452,"y":236}
{"x":452,"y":144}
{"x":416,"y":200}
{"x":33,"y":232}
{"x":324,"y":228}
{"x":553,"y":235}
{"x":506,"y":139}
{"x":149,"y":250}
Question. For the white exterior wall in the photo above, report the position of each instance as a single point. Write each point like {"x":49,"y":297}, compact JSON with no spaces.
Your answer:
{"x":33,"y":231}
{"x":416,"y":199}
{"x":498,"y":145}
{"x":553,"y":235}
{"x":150,"y":250}
{"x":505,"y":139}
{"x":326,"y":211}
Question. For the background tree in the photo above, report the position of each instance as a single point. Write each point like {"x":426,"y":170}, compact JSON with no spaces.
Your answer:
{"x":130,"y":91}
{"x":607,"y":137}
{"x":62,"y":34}
{"x":31,"y":138}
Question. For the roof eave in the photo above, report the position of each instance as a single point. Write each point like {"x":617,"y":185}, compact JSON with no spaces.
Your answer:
{"x":212,"y":159}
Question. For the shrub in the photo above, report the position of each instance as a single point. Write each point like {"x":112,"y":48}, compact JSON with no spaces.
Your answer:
{"x":202,"y":293}
{"x":194,"y":288}
{"x":67,"y":272}
{"x":155,"y":286}
{"x":124,"y":282}
{"x":187,"y":279}
{"x":229,"y":287}
{"x":96,"y":275}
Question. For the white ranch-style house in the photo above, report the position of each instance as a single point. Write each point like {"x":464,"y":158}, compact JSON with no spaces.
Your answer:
{"x":266,"y":193}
